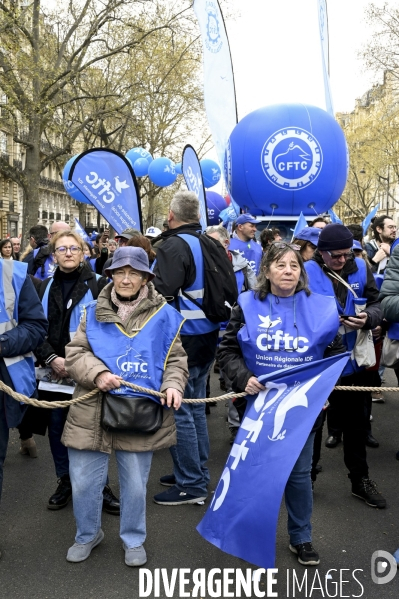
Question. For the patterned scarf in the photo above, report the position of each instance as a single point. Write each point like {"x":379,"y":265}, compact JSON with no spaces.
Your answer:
{"x":125,"y":309}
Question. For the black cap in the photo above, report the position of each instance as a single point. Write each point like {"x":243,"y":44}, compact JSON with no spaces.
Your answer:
{"x":335,"y":237}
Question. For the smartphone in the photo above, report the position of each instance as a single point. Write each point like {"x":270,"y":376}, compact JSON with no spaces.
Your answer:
{"x":346,"y":316}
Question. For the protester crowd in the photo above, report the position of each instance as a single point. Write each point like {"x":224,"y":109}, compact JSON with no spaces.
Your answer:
{"x":159,"y":309}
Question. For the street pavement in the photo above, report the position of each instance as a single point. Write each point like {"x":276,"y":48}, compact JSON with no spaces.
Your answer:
{"x":346,"y":532}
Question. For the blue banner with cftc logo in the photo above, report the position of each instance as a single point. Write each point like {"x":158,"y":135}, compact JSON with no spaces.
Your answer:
{"x":107,"y":180}
{"x":242,"y":517}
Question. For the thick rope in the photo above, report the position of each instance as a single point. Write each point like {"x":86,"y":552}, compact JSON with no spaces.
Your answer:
{"x":37,"y":403}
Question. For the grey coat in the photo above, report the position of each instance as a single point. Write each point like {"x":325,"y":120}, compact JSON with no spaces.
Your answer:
{"x":389,"y":293}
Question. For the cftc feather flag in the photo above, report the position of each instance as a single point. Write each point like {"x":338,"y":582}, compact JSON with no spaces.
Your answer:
{"x":219,"y":91}
{"x":192,"y":173}
{"x":323,"y":30}
{"x":106,"y":178}
{"x":242,"y":518}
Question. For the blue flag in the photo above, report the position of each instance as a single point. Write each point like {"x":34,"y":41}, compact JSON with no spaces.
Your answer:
{"x":80,"y":231}
{"x":107,"y":180}
{"x":368,"y":219}
{"x":301,"y":224}
{"x":334,"y":217}
{"x":191,"y":170}
{"x":242,"y":517}
{"x":230,"y":213}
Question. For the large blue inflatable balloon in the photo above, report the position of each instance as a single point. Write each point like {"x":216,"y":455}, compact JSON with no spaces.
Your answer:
{"x":285,"y":159}
{"x":215,"y":203}
{"x":70,"y":188}
{"x":162,"y":172}
{"x":136,"y":153}
{"x":140,"y":167}
{"x":210,"y":172}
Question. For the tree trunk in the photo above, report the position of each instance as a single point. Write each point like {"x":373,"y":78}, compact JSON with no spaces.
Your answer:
{"x":31,"y":199}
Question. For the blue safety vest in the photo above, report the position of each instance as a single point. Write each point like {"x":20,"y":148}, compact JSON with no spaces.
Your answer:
{"x":78,"y":311}
{"x":269,"y":340}
{"x":139,"y":358}
{"x":196,"y":322}
{"x":319,"y":282}
{"x":251,"y":251}
{"x":20,"y":368}
{"x":49,"y":267}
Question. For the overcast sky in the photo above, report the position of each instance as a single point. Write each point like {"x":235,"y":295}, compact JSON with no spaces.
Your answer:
{"x":276,"y":52}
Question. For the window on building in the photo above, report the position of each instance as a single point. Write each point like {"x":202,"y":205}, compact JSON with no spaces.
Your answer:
{"x":51,"y":216}
{"x":3,"y":142}
{"x":45,"y":214}
{"x":58,"y":216}
{"x":67,"y":218}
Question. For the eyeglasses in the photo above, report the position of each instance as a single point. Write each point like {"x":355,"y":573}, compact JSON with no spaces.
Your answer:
{"x":132,"y":276}
{"x":74,"y":249}
{"x":346,"y":255}
{"x":282,"y":244}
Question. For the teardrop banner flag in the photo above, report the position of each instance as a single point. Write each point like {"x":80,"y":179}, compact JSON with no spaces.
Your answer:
{"x":242,"y":517}
{"x":191,"y":169}
{"x":108,"y":181}
{"x":219,"y":90}
{"x":323,"y":30}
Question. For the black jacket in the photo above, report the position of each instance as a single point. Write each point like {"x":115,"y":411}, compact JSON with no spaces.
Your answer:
{"x":58,"y":315}
{"x":175,"y":269}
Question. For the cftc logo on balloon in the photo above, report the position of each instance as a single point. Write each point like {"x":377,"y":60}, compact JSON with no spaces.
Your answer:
{"x":291,"y":158}
{"x":213,"y":39}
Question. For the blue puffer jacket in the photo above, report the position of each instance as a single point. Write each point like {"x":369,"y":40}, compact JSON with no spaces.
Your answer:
{"x":30,"y":332}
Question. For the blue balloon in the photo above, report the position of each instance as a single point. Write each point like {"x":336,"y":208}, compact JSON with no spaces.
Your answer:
{"x":215,"y":204}
{"x":70,"y":188}
{"x":178,"y":168}
{"x":210,"y":172}
{"x":162,"y":172}
{"x":136,"y":153}
{"x":140,"y":167}
{"x":286,"y":158}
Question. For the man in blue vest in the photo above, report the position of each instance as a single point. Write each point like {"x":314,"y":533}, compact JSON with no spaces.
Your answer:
{"x":244,"y":241}
{"x":333,"y":271}
{"x":23,"y":327}
{"x":179,"y":274}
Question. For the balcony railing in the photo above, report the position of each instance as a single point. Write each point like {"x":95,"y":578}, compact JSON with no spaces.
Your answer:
{"x":45,"y":146}
{"x":51,"y":184}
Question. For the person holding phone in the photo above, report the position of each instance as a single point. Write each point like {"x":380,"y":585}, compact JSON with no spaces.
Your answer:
{"x":333,"y":271}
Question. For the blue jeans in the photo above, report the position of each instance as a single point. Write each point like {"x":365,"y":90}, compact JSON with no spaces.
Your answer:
{"x":299,"y":496}
{"x":88,"y":471}
{"x":191,"y":453}
{"x":4,"y":434}
{"x":58,"y":450}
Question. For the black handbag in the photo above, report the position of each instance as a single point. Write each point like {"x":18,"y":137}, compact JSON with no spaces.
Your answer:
{"x":120,"y":413}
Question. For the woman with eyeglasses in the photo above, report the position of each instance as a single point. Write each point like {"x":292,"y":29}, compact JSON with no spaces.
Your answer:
{"x":64,"y":297}
{"x":282,"y":322}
